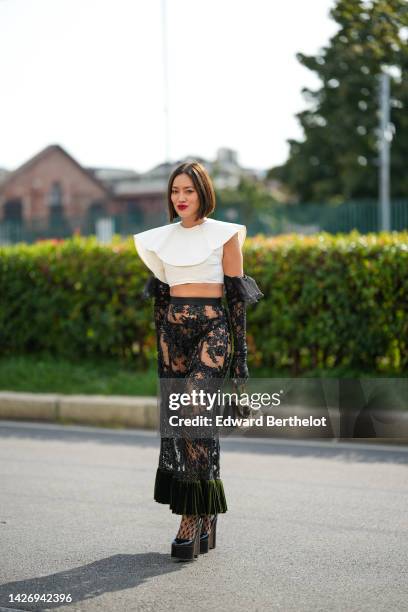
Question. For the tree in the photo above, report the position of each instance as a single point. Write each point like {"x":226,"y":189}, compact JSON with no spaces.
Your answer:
{"x":249,"y":203}
{"x":338,"y":158}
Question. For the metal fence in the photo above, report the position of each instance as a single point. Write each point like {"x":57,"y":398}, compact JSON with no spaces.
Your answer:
{"x":361,"y":215}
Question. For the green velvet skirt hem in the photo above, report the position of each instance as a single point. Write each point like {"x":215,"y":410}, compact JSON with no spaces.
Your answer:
{"x":189,"y":497}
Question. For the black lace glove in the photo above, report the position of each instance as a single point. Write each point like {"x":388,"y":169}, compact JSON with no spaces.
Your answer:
{"x":160,"y":291}
{"x":240,"y":291}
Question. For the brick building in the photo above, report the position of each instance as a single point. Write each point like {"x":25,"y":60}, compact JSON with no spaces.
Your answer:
{"x":52,"y":191}
{"x":52,"y":195}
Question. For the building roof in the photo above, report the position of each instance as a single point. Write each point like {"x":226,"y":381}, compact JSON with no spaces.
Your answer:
{"x":49,"y":151}
{"x":3,"y":174}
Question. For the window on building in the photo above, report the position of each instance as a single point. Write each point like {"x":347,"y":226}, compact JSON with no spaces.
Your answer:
{"x":13,"y":211}
{"x":55,"y":197}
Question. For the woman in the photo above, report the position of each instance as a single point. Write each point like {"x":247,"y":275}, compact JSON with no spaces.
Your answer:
{"x":192,"y":261}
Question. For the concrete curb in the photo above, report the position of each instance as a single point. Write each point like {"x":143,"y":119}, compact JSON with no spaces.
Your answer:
{"x":142,"y":412}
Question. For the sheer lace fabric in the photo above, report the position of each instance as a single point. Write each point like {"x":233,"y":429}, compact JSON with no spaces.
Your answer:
{"x":240,"y":291}
{"x":194,"y":343}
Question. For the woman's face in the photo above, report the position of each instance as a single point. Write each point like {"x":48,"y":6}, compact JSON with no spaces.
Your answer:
{"x":184,"y":197}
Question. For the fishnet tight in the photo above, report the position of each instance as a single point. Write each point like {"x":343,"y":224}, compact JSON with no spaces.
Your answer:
{"x":188,"y":526}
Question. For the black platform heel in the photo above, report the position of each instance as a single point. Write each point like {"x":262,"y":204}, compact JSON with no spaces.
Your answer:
{"x":187,"y":549}
{"x":208,"y":540}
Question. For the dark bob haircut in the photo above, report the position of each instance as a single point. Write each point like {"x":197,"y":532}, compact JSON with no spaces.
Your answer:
{"x":203,"y":184}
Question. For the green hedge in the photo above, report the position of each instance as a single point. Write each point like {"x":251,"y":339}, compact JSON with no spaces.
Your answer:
{"x":330,"y":301}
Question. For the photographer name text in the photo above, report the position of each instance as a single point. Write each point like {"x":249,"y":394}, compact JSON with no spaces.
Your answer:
{"x":268,"y":420}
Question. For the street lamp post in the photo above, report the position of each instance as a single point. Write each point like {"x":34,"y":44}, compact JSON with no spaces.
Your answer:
{"x":384,"y":145}
{"x":165,"y":83}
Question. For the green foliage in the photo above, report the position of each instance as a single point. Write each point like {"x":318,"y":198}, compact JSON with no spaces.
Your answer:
{"x":75,"y":298}
{"x":50,"y":373}
{"x":250,"y":203}
{"x":331,"y":302}
{"x":338,"y":158}
{"x":335,"y":301}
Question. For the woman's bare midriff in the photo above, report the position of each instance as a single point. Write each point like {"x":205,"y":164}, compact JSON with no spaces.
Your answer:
{"x":197,"y":290}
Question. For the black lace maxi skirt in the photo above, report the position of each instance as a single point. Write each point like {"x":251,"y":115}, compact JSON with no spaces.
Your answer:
{"x":194,"y":344}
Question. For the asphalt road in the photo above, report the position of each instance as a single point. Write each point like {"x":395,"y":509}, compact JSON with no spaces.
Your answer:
{"x":310,"y":526}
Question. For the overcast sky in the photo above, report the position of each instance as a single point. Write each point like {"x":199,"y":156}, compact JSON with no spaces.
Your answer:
{"x":88,"y":75}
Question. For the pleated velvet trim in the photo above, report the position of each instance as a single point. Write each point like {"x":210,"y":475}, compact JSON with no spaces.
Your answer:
{"x":189,"y":497}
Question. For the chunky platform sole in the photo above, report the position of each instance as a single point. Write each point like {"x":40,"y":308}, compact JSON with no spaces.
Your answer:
{"x":208,"y":541}
{"x":188,"y":550}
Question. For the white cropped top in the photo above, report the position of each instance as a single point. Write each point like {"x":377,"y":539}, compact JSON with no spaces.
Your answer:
{"x":178,"y":255}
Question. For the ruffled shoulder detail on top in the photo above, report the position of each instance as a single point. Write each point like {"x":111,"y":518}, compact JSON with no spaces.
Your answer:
{"x":218,"y":233}
{"x":148,"y":244}
{"x":176,"y":245}
{"x":242,"y":289}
